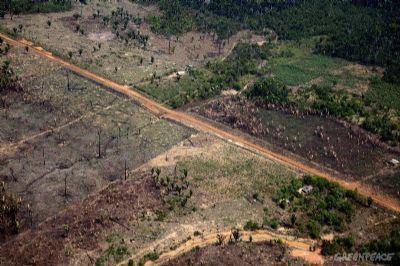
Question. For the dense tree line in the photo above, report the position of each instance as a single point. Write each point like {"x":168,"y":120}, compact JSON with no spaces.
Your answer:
{"x":358,"y":30}
{"x":15,"y":7}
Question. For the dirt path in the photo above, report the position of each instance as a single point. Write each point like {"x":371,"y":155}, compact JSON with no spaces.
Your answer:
{"x":299,"y":248}
{"x":200,"y":125}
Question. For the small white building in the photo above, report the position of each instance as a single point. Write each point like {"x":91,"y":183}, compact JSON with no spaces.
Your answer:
{"x":306,"y":189}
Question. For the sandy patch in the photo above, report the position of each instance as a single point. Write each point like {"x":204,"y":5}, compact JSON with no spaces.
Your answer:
{"x":101,"y":36}
{"x":229,"y":92}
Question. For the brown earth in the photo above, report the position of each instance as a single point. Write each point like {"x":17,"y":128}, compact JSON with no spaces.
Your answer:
{"x":193,"y":122}
{"x":242,"y":253}
{"x":347,"y":149}
{"x":82,"y":226}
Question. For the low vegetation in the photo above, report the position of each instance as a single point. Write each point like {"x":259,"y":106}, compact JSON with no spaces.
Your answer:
{"x":217,"y":75}
{"x":377,"y":111}
{"x":14,"y":213}
{"x":8,"y":79}
{"x":175,"y":189}
{"x":389,"y":243}
{"x":337,"y":245}
{"x":115,"y":251}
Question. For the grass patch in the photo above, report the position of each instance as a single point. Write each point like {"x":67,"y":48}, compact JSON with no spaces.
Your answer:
{"x":384,"y":95}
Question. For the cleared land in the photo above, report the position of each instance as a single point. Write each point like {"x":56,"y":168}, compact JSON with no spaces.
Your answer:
{"x":90,"y":28}
{"x":130,"y":220}
{"x":58,"y":145}
{"x":109,"y":183}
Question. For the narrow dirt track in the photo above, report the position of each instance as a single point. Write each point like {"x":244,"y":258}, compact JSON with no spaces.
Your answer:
{"x":190,"y":121}
{"x":301,"y":247}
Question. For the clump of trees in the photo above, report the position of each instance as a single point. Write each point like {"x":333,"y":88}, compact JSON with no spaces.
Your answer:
{"x":269,"y":91}
{"x":13,"y":213}
{"x":337,"y":245}
{"x":327,"y":207}
{"x":8,"y":79}
{"x":174,"y":188}
{"x":121,"y":22}
{"x":251,"y":226}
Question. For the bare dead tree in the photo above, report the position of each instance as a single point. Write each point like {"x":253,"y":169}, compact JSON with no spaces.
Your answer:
{"x":99,"y":144}
{"x":68,"y":87}
{"x":12,"y":175}
{"x":126,"y":171}
{"x":65,"y":186}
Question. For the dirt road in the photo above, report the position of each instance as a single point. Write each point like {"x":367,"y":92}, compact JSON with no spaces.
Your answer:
{"x":299,"y":247}
{"x":190,"y":121}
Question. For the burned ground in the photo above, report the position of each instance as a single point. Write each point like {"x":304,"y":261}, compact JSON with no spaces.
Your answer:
{"x":65,"y":137}
{"x":242,"y":253}
{"x":68,"y":145}
{"x":81,"y":227}
{"x":320,"y":139}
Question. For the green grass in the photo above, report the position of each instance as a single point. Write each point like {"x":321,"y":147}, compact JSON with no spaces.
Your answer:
{"x":295,"y":64}
{"x":384,"y":95}
{"x":293,"y":75}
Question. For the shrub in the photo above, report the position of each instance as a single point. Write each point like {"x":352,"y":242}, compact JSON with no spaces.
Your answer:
{"x":236,"y":234}
{"x":270,"y":91}
{"x":314,"y":229}
{"x":197,"y":233}
{"x":337,"y":245}
{"x":150,"y":256}
{"x":274,"y":223}
{"x":251,"y":226}
{"x":386,"y":244}
{"x":8,"y":79}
